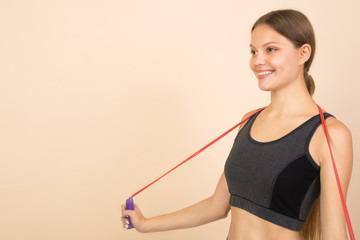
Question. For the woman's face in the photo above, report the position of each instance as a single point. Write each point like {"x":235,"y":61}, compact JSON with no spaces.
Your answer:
{"x":275,"y":61}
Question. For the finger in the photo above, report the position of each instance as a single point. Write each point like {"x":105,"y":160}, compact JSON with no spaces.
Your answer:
{"x":125,"y":220}
{"x":127,"y":213}
{"x":124,"y":212}
{"x":125,"y":225}
{"x":124,"y":216}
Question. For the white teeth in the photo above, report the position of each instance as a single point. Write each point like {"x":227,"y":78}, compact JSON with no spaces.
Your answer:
{"x":264,"y":73}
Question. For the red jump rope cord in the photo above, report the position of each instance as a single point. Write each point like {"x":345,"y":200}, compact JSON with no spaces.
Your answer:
{"x":347,"y":217}
{"x":196,"y":153}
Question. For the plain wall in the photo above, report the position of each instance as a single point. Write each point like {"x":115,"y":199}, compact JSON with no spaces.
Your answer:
{"x":98,"y":98}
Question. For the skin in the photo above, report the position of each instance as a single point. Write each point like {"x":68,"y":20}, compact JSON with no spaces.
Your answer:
{"x":290,"y":106}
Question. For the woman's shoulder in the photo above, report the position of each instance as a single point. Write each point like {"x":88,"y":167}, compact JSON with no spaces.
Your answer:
{"x":246,"y":116}
{"x":337,"y":129}
{"x":340,"y":140}
{"x":252,"y":112}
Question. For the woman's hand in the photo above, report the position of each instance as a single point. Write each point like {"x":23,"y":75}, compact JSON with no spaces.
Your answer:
{"x":137,"y":218}
{"x":208,"y":210}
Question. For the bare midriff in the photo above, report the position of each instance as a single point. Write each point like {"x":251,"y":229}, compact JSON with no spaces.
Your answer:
{"x":245,"y":225}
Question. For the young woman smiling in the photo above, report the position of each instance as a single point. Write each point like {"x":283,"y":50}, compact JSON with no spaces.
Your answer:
{"x":280,"y":158}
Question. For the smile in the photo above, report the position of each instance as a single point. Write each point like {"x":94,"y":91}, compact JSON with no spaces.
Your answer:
{"x":264,"y":73}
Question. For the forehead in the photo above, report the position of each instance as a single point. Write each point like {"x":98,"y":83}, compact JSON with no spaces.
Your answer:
{"x":263,"y":34}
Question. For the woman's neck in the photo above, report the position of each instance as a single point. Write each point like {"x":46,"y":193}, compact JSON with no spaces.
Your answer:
{"x":294,"y":100}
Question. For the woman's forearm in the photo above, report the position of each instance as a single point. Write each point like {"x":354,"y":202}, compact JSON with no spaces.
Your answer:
{"x":206,"y":211}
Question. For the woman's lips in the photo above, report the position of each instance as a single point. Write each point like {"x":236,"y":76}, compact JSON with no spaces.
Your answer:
{"x":264,"y":74}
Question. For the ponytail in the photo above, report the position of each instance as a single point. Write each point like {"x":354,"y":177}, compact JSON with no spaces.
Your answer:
{"x":310,"y":84}
{"x":311,"y":229}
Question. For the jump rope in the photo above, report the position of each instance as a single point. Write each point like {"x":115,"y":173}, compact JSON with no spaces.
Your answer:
{"x":130,"y":201}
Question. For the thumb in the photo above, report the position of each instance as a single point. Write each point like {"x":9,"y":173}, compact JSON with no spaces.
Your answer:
{"x":125,"y":212}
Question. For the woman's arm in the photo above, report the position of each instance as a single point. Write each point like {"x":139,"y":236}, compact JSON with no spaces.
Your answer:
{"x":208,"y":210}
{"x":333,"y":223}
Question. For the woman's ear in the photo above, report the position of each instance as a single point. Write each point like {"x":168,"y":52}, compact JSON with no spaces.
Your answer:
{"x":305,"y":53}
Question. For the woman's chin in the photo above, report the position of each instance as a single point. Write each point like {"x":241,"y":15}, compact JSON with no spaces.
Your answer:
{"x":264,"y":88}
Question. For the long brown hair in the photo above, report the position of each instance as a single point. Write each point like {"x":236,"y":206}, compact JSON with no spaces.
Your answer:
{"x":296,"y":27}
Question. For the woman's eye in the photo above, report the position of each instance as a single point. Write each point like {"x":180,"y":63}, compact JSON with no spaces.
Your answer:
{"x":271,"y":49}
{"x":252,"y":52}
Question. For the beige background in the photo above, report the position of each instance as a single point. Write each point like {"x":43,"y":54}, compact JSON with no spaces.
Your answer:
{"x":97,"y":98}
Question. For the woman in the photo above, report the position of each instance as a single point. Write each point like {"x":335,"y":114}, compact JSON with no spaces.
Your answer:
{"x":271,"y":183}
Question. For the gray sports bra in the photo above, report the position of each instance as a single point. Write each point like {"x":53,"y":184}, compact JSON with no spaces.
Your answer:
{"x":277,"y":181}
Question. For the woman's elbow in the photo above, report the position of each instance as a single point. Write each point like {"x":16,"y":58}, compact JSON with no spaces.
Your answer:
{"x":223,"y":211}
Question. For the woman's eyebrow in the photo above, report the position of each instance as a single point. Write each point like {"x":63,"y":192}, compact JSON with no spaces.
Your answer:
{"x":265,"y":44}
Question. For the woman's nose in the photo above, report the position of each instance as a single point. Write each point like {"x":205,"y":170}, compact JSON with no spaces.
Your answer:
{"x":258,"y":60}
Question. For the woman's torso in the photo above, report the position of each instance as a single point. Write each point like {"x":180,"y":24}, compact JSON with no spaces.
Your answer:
{"x":245,"y":225}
